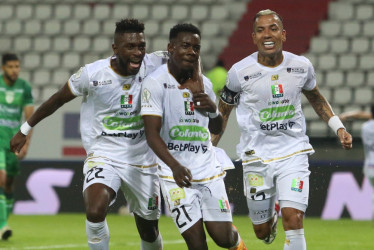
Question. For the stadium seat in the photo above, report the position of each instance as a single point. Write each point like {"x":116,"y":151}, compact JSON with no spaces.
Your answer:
{"x":210,"y":29}
{"x":42,"y":43}
{"x":23,"y":11}
{"x":327,"y":61}
{"x":41,"y":77}
{"x":60,"y":76}
{"x":330,"y":28}
{"x":47,"y":92}
{"x":159,"y":12}
{"x":43,"y":11}
{"x":6,"y":11}
{"x":366,"y":62}
{"x":342,"y":96}
{"x":318,"y":128}
{"x":120,"y":11}
{"x":81,"y":43}
{"x":22,"y":44}
{"x":51,"y":60}
{"x":32,"y":27}
{"x":90,"y":57}
{"x":52,"y":27}
{"x":166,"y":26}
{"x":61,"y":43}
{"x":91,"y":27}
{"x":82,"y":11}
{"x":364,"y":12}
{"x":101,"y":11}
{"x":71,"y":27}
{"x":309,"y":113}
{"x":363,"y":96}
{"x":101,"y":44}
{"x":71,"y":60}
{"x":160,"y":43}
{"x":326,"y":92}
{"x":355,"y":78}
{"x":351,"y":28}
{"x":219,"y":12}
{"x":179,"y":12}
{"x":334,"y":78}
{"x":341,"y":10}
{"x":6,"y":44}
{"x":339,"y":45}
{"x":347,"y":61}
{"x":199,"y":12}
{"x":13,"y":27}
{"x":140,"y":11}
{"x":319,"y":45}
{"x":31,"y":60}
{"x":151,"y":28}
{"x":62,"y":11}
{"x":368,"y":29}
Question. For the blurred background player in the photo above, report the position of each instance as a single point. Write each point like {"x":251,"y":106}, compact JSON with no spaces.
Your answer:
{"x":15,"y":99}
{"x":266,"y":87}
{"x":178,"y":114}
{"x":113,"y":135}
{"x":217,"y":75}
{"x":367,"y":135}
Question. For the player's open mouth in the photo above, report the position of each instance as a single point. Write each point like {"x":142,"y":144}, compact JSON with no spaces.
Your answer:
{"x":135,"y":65}
{"x":269,"y":44}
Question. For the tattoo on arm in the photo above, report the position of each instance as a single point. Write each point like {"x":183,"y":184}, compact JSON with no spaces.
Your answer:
{"x":319,"y":104}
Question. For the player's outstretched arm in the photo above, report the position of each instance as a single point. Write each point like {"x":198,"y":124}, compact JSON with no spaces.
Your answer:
{"x":225,"y":110}
{"x":325,"y":112}
{"x":28,"y":111}
{"x":152,"y":126}
{"x":58,"y":99}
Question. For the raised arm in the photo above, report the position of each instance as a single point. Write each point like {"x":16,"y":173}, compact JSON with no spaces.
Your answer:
{"x":152,"y":125}
{"x":324,"y":111}
{"x":28,"y":111}
{"x":58,"y":99}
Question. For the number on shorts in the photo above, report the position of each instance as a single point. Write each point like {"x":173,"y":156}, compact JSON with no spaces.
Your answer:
{"x":179,"y":213}
{"x":89,"y":173}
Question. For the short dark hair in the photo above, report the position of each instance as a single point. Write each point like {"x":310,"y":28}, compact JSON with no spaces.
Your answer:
{"x":183,"y":27}
{"x":129,"y":26}
{"x":265,"y":13}
{"x":9,"y":57}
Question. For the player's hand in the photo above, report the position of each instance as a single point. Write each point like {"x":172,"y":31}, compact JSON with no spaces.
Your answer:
{"x":202,"y":102}
{"x":345,"y":138}
{"x":17,"y":142}
{"x":22,"y":153}
{"x":182,"y":176}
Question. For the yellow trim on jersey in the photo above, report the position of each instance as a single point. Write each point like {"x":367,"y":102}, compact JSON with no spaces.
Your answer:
{"x":201,"y":180}
{"x":92,"y":158}
{"x":278,"y":158}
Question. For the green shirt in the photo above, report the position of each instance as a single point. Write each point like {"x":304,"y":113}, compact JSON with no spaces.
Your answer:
{"x":217,"y":76}
{"x":12,"y":101}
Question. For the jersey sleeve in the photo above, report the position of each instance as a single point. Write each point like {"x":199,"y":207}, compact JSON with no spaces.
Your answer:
{"x":156,"y":59}
{"x":310,"y":82}
{"x":79,"y":82}
{"x":231,"y":92}
{"x":152,"y":97}
{"x":28,"y":98}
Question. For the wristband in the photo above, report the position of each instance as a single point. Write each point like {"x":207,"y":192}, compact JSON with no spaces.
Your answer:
{"x":213,"y":115}
{"x":335,"y":124}
{"x":25,"y":128}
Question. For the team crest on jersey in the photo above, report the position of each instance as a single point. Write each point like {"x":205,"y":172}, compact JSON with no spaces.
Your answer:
{"x":297,"y":185}
{"x":277,"y":90}
{"x":126,"y":86}
{"x":186,"y":95}
{"x":9,"y":96}
{"x":224,"y":205}
{"x":255,"y":180}
{"x":126,"y":101}
{"x":188,"y":108}
{"x":274,"y":77}
{"x":153,"y":203}
{"x":176,"y":194}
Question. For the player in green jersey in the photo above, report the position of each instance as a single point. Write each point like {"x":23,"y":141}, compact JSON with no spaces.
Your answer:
{"x":15,"y":99}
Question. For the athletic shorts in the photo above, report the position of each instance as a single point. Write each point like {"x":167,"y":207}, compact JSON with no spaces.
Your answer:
{"x":9,"y":162}
{"x":188,"y":205}
{"x":287,"y":179}
{"x":140,"y":185}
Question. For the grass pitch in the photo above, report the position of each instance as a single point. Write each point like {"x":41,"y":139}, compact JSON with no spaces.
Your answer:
{"x":67,"y":231}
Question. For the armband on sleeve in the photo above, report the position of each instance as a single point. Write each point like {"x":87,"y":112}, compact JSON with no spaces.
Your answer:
{"x":230,"y":97}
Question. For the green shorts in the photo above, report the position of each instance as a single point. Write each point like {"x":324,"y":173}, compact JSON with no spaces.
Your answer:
{"x":9,"y":162}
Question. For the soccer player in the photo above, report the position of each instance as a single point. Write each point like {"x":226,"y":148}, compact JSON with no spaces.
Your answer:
{"x":113,"y":135}
{"x":180,"y":104}
{"x":266,"y":87}
{"x":367,"y":135}
{"x":15,"y":99}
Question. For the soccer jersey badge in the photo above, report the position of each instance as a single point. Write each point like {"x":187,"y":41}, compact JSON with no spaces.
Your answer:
{"x":126,"y":101}
{"x":277,"y":90}
{"x":153,"y":203}
{"x":297,"y":185}
{"x":224,"y":206}
{"x":9,"y":96}
{"x":188,"y":108}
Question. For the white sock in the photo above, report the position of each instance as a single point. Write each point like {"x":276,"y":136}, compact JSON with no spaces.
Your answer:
{"x":97,"y":235}
{"x":295,"y":240}
{"x":156,"y":245}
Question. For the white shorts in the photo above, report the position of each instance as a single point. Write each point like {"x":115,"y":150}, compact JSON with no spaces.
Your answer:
{"x":287,"y":179}
{"x":140,"y":185}
{"x":188,"y":205}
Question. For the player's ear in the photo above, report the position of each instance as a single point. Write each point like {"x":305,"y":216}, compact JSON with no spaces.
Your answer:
{"x":171,"y":47}
{"x":114,"y":48}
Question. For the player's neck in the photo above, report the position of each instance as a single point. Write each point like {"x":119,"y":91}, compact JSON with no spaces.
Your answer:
{"x":180,"y":75}
{"x":270,"y":60}
{"x":8,"y":81}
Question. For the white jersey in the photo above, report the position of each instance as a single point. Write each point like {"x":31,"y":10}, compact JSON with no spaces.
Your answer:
{"x":184,"y":130}
{"x":111,"y":125}
{"x":368,"y":141}
{"x":269,"y":110}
